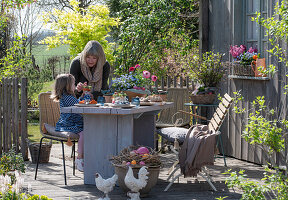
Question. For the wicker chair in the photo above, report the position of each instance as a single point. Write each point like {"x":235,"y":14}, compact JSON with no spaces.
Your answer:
{"x":49,"y":115}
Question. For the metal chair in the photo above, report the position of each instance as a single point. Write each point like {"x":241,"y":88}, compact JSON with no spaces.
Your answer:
{"x":49,"y":115}
{"x":179,"y":134}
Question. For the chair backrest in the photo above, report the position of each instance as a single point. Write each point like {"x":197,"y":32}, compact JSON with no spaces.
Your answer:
{"x":179,"y":96}
{"x":49,"y":110}
{"x":220,"y":113}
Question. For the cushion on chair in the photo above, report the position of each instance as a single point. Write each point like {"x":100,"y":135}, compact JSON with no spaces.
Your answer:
{"x":172,"y":133}
{"x":51,"y":131}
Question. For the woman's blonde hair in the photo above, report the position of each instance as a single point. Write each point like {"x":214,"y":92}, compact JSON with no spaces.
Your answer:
{"x":63,"y":85}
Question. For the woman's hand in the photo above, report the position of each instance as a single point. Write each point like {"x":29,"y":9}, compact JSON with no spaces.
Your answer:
{"x":79,"y":87}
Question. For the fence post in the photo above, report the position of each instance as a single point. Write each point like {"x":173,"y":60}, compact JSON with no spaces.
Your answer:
{"x":1,"y":114}
{"x":24,"y":135}
{"x":9,"y":112}
{"x":5,"y":120}
{"x":175,"y":81}
{"x":16,"y":114}
{"x":162,"y":83}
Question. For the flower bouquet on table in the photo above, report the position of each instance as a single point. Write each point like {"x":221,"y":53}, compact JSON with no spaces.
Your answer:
{"x":243,"y":60}
{"x":136,"y":81}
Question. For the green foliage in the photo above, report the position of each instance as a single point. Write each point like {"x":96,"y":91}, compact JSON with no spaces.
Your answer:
{"x":252,"y":190}
{"x":15,"y":60}
{"x":17,"y":63}
{"x":274,"y":185}
{"x":79,"y":26}
{"x":150,"y":28}
{"x":207,"y":70}
{"x":11,"y":161}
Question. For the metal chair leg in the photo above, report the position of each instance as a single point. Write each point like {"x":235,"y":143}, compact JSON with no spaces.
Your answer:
{"x":174,"y":171}
{"x":172,"y":167}
{"x":64,"y":162}
{"x":39,"y":153}
{"x":73,"y":150}
{"x":172,"y":181}
{"x":222,"y":149}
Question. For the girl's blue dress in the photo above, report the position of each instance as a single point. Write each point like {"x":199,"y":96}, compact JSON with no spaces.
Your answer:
{"x":69,"y":122}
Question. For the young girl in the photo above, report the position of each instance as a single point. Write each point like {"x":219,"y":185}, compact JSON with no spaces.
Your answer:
{"x":70,"y":122}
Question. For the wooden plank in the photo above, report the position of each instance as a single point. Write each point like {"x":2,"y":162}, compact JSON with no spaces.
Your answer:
{"x":203,"y":26}
{"x":175,"y":81}
{"x":187,"y":82}
{"x":225,"y":102}
{"x":168,"y":81}
{"x":5,"y":113}
{"x":1,"y":115}
{"x":220,"y":114}
{"x":24,"y":134}
{"x":16,"y":112}
{"x":162,"y":83}
{"x":9,"y":110}
{"x":228,"y":98}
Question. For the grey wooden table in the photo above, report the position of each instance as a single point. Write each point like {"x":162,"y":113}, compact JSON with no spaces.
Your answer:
{"x":107,"y":130}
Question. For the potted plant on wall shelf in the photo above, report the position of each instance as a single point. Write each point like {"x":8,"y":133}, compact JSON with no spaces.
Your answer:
{"x":247,"y":63}
{"x":208,"y":71}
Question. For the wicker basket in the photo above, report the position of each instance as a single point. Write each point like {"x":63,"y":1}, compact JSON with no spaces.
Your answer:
{"x":203,"y":98}
{"x":242,"y":70}
{"x":45,"y":151}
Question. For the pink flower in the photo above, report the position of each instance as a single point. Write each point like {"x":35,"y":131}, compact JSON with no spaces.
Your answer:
{"x":143,"y":88}
{"x":131,"y":69}
{"x":251,"y":50}
{"x":237,"y":51}
{"x":146,"y":74}
{"x":154,"y":78}
{"x":137,"y":66}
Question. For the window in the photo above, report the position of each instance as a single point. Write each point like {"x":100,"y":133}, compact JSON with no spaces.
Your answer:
{"x":254,"y":33}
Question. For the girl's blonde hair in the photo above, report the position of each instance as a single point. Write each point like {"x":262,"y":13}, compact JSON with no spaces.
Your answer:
{"x":63,"y":85}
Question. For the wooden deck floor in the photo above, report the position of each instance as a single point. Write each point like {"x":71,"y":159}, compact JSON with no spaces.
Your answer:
{"x":50,"y":181}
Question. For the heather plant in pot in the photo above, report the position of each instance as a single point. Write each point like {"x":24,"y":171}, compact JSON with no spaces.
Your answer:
{"x":208,"y":71}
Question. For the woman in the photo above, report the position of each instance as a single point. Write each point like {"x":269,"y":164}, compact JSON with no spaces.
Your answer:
{"x":91,"y":66}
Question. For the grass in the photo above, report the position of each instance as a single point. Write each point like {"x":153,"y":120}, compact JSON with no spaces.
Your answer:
{"x":47,"y":86}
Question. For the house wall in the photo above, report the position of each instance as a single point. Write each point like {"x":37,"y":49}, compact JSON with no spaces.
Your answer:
{"x":225,"y":29}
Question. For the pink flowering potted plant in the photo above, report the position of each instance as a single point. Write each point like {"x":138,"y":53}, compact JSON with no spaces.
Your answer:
{"x":135,"y":83}
{"x":245,"y":61}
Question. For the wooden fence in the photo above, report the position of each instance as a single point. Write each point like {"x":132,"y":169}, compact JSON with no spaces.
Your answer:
{"x":13,"y":115}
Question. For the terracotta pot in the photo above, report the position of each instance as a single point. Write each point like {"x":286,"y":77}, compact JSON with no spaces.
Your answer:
{"x":260,"y":63}
{"x":153,"y":175}
{"x":108,"y":98}
{"x":131,"y":95}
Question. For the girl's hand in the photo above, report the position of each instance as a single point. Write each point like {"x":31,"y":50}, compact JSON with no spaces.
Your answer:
{"x":79,"y":87}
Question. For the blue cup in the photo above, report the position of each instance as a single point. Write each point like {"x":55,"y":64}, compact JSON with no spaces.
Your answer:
{"x":135,"y":101}
{"x":101,"y":100}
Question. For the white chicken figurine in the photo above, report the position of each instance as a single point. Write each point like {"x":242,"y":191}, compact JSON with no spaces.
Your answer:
{"x":105,"y":185}
{"x":136,"y":184}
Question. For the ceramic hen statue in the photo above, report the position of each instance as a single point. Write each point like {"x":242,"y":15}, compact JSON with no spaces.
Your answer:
{"x":105,"y":185}
{"x":136,"y":184}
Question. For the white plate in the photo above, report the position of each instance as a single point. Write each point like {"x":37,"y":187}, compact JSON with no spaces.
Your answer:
{"x":122,"y":105}
{"x":145,"y":103}
{"x":87,"y":105}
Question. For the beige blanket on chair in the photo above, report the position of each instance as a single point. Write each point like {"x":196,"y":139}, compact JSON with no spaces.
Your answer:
{"x":197,"y":150}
